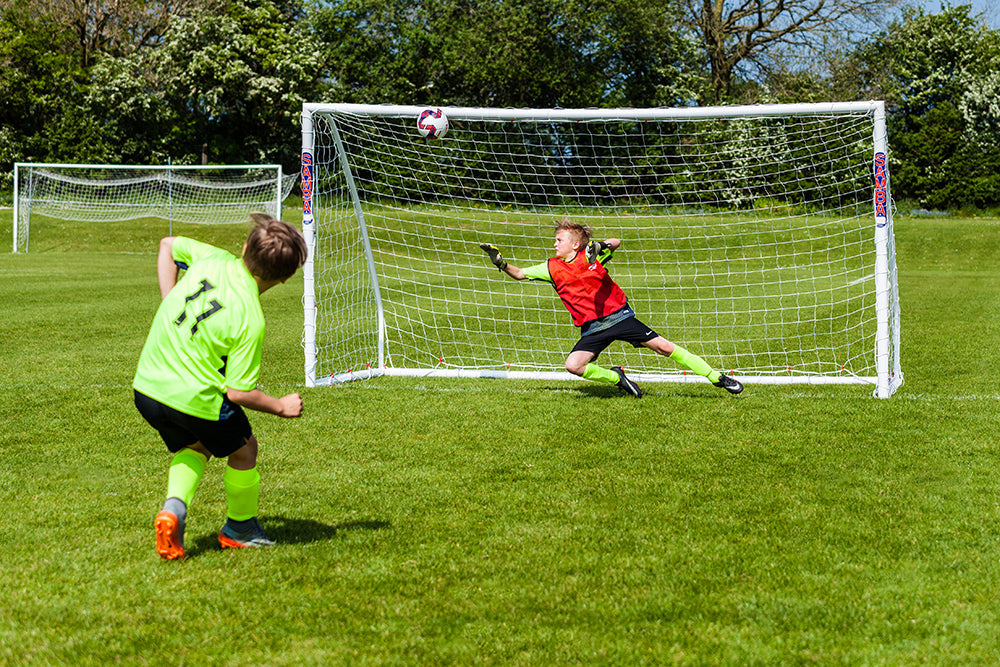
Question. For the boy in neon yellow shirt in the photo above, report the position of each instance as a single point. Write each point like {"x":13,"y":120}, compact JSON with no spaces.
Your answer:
{"x":200,"y":366}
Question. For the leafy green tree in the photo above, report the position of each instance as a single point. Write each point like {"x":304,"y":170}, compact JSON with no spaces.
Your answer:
{"x":504,"y":53}
{"x":376,"y":51}
{"x":89,"y":28}
{"x":234,"y":83}
{"x":127,"y":103}
{"x":937,"y":73}
{"x":760,"y":35}
{"x":40,"y":87}
{"x":545,"y":53}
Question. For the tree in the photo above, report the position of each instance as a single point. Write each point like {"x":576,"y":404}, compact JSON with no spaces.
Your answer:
{"x":39,"y":87}
{"x":758,"y":33}
{"x":127,"y":103}
{"x":116,"y":27}
{"x":236,"y":81}
{"x":505,"y":52}
{"x":937,"y":73}
{"x":376,"y":50}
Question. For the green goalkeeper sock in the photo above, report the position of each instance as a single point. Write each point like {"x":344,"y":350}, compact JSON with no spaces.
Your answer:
{"x":242,"y":492}
{"x":595,"y":373}
{"x":186,"y":469}
{"x":694,"y":363}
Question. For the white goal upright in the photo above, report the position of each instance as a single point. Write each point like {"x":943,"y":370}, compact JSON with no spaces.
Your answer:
{"x":200,"y":194}
{"x":759,"y":237}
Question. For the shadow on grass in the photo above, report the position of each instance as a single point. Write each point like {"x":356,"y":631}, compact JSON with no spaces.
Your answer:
{"x":289,"y":530}
{"x":650,"y":389}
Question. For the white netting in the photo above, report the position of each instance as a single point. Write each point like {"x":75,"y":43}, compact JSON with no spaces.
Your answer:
{"x":106,"y":193}
{"x":750,"y":241}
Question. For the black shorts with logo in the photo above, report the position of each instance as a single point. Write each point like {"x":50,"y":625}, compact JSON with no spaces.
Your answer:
{"x":179,"y":430}
{"x":629,"y":330}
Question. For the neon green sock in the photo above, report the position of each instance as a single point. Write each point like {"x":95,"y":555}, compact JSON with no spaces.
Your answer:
{"x":186,"y":469}
{"x":242,"y":492}
{"x":595,"y":373}
{"x":694,"y":363}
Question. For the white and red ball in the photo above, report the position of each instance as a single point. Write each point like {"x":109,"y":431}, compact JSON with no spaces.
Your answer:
{"x":432,"y":123}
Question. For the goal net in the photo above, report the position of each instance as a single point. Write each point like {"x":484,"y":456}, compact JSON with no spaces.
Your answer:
{"x":758,"y":237}
{"x":213,"y":194}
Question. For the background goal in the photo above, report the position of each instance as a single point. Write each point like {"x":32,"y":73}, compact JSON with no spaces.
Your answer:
{"x":200,"y":194}
{"x":759,"y":237}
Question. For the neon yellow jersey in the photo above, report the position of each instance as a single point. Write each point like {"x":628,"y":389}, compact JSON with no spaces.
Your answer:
{"x":207,"y":334}
{"x":538,"y":272}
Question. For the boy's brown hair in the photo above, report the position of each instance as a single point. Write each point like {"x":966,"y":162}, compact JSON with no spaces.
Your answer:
{"x":582,"y":233}
{"x":274,"y":250}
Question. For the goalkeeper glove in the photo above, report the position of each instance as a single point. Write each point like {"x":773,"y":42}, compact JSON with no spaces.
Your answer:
{"x":495,"y":255}
{"x":594,"y":250}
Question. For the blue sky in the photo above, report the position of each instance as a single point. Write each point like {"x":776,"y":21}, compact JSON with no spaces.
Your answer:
{"x":989,"y":8}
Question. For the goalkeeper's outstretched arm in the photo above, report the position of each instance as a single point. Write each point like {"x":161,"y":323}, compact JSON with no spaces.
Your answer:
{"x":505,"y":267}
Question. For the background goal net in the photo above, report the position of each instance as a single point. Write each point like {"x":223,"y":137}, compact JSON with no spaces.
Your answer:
{"x":758,"y":237}
{"x":213,"y":194}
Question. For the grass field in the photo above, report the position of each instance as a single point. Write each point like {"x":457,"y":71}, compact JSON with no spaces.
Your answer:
{"x":505,"y":522}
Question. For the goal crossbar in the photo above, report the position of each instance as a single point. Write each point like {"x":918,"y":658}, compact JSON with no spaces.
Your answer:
{"x":758,"y":236}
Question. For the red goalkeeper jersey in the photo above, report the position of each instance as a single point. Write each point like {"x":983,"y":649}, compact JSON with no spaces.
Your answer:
{"x":587,"y":290}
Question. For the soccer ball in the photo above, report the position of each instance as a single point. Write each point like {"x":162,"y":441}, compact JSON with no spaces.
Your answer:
{"x":432,"y":123}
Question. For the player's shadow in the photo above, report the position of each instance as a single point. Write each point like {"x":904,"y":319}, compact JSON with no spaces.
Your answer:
{"x":291,"y":530}
{"x":598,"y":391}
{"x":675,"y":390}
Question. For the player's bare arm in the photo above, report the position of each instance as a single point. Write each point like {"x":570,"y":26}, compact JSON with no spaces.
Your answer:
{"x":166,"y":269}
{"x":514,"y":272}
{"x":288,"y":406}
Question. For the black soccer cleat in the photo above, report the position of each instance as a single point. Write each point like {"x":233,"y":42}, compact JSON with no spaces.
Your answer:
{"x":626,"y":385}
{"x":730,"y":384}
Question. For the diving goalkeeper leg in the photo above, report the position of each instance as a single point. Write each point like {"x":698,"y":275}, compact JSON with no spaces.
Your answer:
{"x":698,"y":365}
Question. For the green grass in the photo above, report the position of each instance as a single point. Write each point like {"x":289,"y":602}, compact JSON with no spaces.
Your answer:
{"x":505,"y":522}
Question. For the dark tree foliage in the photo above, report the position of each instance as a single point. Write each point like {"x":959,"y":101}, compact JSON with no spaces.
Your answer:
{"x":224,"y":80}
{"x":519,"y":53}
{"x":928,"y":68}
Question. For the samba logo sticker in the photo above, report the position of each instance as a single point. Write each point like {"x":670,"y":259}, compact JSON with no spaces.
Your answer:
{"x":881,"y":198}
{"x":307,"y":187}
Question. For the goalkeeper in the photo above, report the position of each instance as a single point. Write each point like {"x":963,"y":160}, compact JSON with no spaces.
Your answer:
{"x":600,"y":308}
{"x":199,"y":369}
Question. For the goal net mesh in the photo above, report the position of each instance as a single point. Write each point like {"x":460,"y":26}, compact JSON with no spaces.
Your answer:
{"x":106,"y":193}
{"x":749,"y":241}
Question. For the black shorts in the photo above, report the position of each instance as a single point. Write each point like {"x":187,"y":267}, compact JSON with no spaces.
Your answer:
{"x":629,"y":330}
{"x":179,"y":430}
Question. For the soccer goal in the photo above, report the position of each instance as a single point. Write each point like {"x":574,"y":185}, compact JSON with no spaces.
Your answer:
{"x":199,"y":194}
{"x":758,"y":236}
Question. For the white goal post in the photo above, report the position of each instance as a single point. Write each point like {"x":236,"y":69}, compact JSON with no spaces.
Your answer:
{"x":199,"y":194}
{"x":759,"y":237}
